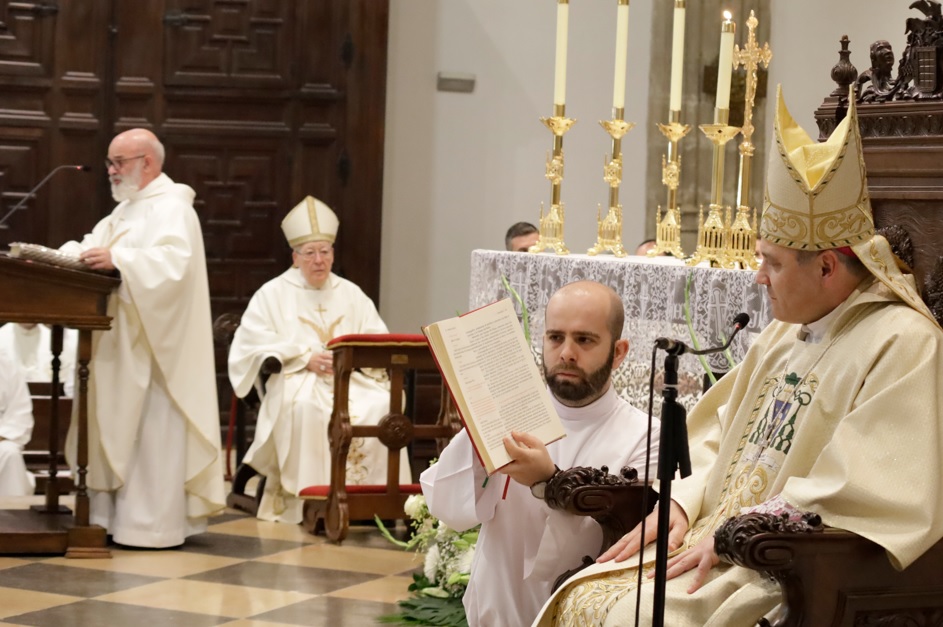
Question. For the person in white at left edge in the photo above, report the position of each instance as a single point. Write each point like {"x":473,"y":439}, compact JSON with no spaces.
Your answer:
{"x":293,"y":317}
{"x":524,"y":545}
{"x":29,"y":345}
{"x":155,"y":469}
{"x":16,"y":426}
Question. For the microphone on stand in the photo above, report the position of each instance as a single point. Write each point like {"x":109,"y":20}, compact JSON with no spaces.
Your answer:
{"x":80,"y":168}
{"x":677,"y":347}
{"x":674,"y":455}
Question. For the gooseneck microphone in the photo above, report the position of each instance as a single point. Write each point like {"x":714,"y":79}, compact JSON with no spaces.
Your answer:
{"x":80,"y":168}
{"x":677,"y":347}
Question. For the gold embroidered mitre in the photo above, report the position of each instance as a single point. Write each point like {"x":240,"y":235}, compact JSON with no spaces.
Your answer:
{"x":310,"y":221}
{"x":816,"y":193}
{"x":817,"y":199}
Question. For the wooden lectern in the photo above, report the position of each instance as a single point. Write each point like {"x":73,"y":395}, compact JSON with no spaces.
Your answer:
{"x":47,"y":294}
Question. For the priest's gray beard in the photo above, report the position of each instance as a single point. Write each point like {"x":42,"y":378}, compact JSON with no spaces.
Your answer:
{"x":589,"y":386}
{"x":130,"y":183}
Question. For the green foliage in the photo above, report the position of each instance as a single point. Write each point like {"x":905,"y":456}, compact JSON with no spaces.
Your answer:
{"x":425,"y":610}
{"x":694,"y":341}
{"x":525,"y":317}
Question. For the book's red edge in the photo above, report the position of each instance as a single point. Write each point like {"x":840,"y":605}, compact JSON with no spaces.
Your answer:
{"x":452,"y":394}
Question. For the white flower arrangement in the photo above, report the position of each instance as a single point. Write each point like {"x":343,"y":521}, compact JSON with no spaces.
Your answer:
{"x":438,"y":591}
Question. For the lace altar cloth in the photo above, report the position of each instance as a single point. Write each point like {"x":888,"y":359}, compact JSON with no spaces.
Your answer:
{"x":653,"y":291}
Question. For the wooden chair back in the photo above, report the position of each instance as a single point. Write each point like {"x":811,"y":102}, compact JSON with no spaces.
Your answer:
{"x":241,"y":412}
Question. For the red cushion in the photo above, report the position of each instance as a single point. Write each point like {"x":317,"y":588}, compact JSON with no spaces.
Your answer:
{"x":378,"y":339}
{"x":321,"y":491}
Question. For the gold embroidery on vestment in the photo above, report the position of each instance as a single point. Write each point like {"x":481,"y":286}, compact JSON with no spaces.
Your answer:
{"x":325,"y":335}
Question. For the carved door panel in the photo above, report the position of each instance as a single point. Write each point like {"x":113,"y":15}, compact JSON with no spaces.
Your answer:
{"x":52,"y":86}
{"x":251,"y":99}
{"x":229,"y":43}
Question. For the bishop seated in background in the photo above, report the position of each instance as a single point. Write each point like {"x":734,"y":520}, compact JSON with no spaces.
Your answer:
{"x":292,"y":318}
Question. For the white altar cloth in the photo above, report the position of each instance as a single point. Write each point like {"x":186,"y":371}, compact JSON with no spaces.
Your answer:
{"x":653,"y":291}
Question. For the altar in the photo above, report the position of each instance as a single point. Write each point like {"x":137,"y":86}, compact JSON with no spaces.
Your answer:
{"x":662,"y":297}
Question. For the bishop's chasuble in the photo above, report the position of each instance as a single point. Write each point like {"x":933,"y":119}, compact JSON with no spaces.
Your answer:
{"x":848,"y":428}
{"x":289,"y":319}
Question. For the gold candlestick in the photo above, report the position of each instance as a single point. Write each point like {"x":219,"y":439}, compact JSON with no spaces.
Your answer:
{"x":743,"y":237}
{"x":551,"y":224}
{"x":609,"y":229}
{"x":668,"y":227}
{"x":712,"y":235}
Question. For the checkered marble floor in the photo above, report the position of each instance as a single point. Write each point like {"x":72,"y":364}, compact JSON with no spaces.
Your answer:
{"x":241,"y":572}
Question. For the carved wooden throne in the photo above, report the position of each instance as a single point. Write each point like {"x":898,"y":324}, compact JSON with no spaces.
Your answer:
{"x":830,"y":576}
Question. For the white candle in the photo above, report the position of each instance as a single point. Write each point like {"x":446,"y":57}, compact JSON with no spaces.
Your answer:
{"x":725,"y":64}
{"x":559,"y":77}
{"x":622,"y":53}
{"x":677,"y":57}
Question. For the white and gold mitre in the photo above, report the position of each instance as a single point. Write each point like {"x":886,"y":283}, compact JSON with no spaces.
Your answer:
{"x":816,"y":193}
{"x":310,"y":221}
{"x":817,"y":199}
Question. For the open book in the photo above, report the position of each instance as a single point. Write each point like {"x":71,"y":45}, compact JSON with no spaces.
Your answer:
{"x":497,"y":387}
{"x":35,"y":252}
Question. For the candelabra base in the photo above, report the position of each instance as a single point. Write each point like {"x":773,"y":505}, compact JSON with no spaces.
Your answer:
{"x":551,"y":231}
{"x":667,"y":233}
{"x":740,"y":253}
{"x":711,"y":237}
{"x":610,"y":246}
{"x":609,"y":234}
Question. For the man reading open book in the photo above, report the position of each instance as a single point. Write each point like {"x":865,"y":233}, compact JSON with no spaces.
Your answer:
{"x":524,"y":545}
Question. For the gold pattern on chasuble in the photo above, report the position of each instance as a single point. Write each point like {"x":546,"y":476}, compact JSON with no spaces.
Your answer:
{"x":588,"y":603}
{"x":356,"y":469}
{"x":766,"y":440}
{"x":324,"y":334}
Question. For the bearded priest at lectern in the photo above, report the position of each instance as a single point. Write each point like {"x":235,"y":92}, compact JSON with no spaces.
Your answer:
{"x":155,"y":470}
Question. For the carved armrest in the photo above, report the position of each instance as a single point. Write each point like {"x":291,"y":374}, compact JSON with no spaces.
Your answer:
{"x":826,"y":573}
{"x":270,"y":366}
{"x":617,"y":502}
{"x":765,"y":542}
{"x":614,"y":501}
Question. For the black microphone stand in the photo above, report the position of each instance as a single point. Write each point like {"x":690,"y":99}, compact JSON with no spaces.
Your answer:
{"x":673,"y":455}
{"x":17,"y":206}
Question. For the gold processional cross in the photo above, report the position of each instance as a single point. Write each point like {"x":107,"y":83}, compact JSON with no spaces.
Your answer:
{"x":750,"y":57}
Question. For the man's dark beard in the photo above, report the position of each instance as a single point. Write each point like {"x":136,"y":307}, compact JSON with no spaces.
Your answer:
{"x":589,"y":387}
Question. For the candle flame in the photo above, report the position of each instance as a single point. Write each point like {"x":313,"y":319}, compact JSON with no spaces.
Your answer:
{"x":728,"y":15}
